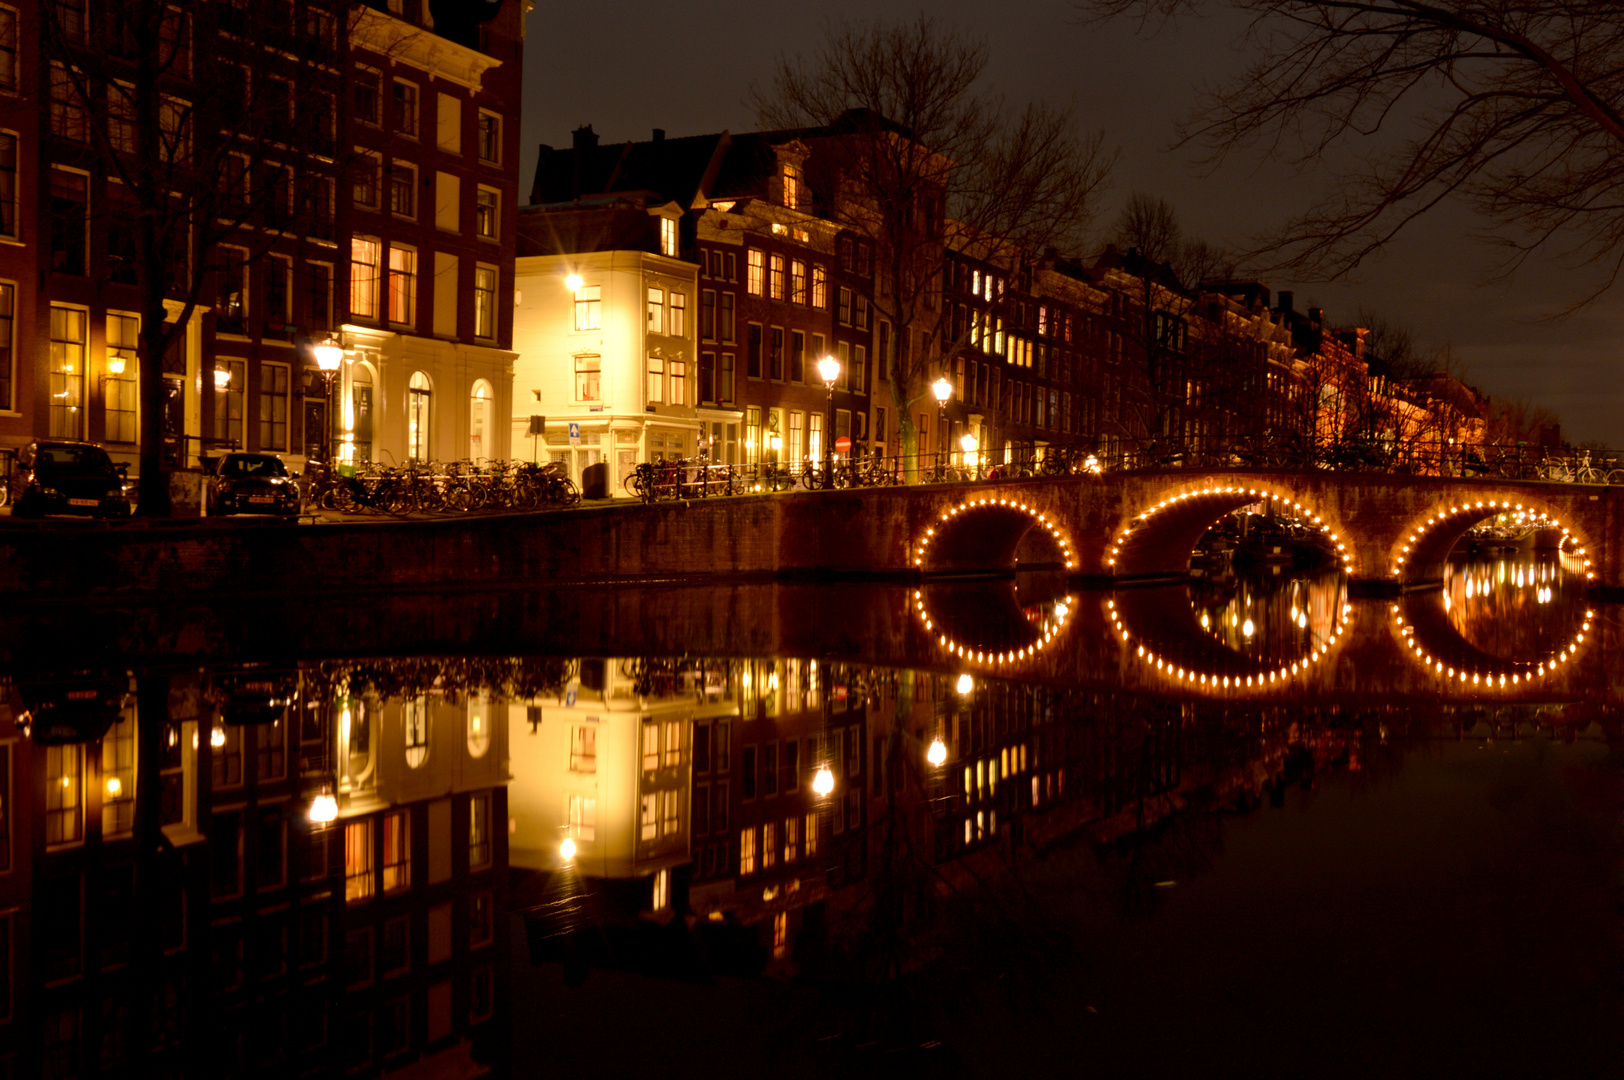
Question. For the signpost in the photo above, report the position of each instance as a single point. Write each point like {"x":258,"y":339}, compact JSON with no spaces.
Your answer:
{"x":575,"y":433}
{"x":538,"y":426}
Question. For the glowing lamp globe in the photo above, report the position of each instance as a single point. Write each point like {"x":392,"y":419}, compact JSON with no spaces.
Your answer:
{"x":942,"y":389}
{"x":329,"y":354}
{"x":573,"y":283}
{"x":829,"y":370}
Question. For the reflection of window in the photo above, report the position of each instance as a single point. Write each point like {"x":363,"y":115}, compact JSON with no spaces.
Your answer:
{"x":649,"y":824}
{"x":357,"y":861}
{"x":479,"y":832}
{"x":397,"y":852}
{"x":662,"y":890}
{"x":63,"y":823}
{"x":118,"y":778}
{"x":747,"y":851}
{"x":415,"y":715}
{"x":584,"y":748}
{"x":651,"y":746}
{"x":583,"y":810}
{"x":588,"y":378}
{"x":479,"y":731}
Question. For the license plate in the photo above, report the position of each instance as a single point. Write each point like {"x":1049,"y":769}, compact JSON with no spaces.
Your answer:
{"x":84,"y":502}
{"x":262,"y":498}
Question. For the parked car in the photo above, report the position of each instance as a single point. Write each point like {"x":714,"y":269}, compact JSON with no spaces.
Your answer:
{"x":60,"y":476}
{"x":253,"y":484}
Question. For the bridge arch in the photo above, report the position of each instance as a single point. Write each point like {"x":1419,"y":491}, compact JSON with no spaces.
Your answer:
{"x":991,"y":532}
{"x":1422,"y":550}
{"x":1158,"y":540}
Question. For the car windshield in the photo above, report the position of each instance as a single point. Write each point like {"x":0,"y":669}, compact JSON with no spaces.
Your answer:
{"x":252,"y":465}
{"x":69,"y":458}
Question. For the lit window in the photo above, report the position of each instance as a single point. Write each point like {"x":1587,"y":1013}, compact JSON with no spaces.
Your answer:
{"x":120,"y":392}
{"x":418,"y":396}
{"x":662,"y":890}
{"x":357,"y":861}
{"x":769,"y":845}
{"x":64,"y":823}
{"x":820,"y":287}
{"x":656,"y":311}
{"x":490,"y":138}
{"x":656,"y":380}
{"x":484,"y":301}
{"x":668,"y":237}
{"x":797,"y":281}
{"x":775,"y":277}
{"x":588,"y":378}
{"x":755,"y":263}
{"x":67,"y":371}
{"x":678,"y":322}
{"x":589,"y":308}
{"x":487,"y":208}
{"x":402,"y":285}
{"x":811,"y":834}
{"x":679,"y":382}
{"x":479,"y":724}
{"x":364,"y":254}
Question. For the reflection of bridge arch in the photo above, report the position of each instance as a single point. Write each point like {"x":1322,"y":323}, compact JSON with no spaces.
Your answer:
{"x":990,"y":623}
{"x":1423,"y":628}
{"x":1424,"y":548}
{"x":1158,"y":540}
{"x":1158,"y":628}
{"x":992,"y":532}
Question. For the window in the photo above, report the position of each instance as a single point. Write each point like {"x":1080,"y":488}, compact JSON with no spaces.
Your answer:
{"x":402,"y":189}
{"x":490,"y":137}
{"x":668,"y":237}
{"x":656,"y":380}
{"x":485,"y":301}
{"x":119,"y":394}
{"x":231,"y":285}
{"x":589,"y":309}
{"x":67,"y":371}
{"x":588,"y":378}
{"x":479,"y":832}
{"x":724,"y":379}
{"x":797,"y":281}
{"x":64,"y":823}
{"x":366,"y":169}
{"x":752,"y":351}
{"x":397,"y":852}
{"x":707,"y":315}
{"x":273,"y":406}
{"x":584,"y":748}
{"x":724,"y":317}
{"x":820,"y":287}
{"x":395,"y":950}
{"x":481,"y":920}
{"x":357,"y":861}
{"x":775,"y":353}
{"x":364,"y":254}
{"x":678,"y":322}
{"x":583,"y":817}
{"x":679,"y":382}
{"x":230,"y":391}
{"x":366,"y":98}
{"x":656,"y":311}
{"x":418,"y":395}
{"x":747,"y":765}
{"x":402,"y":285}
{"x":796,"y":448}
{"x":843,"y":306}
{"x":487,"y":207}
{"x":67,"y":109}
{"x":70,"y":216}
{"x":811,"y":834}
{"x":8,"y":309}
{"x":321,"y":295}
{"x":8,"y":183}
{"x":747,"y":852}
{"x":797,"y":356}
{"x":403,"y":112}
{"x":792,"y":839}
{"x":121,"y":118}
{"x":8,"y":57}
{"x":753,"y":268}
{"x":775,"y":277}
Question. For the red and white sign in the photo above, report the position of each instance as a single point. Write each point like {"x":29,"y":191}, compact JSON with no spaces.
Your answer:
{"x":843,"y":444}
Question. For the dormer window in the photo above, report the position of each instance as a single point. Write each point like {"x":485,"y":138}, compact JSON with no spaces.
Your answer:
{"x":792,"y":186}
{"x":668,"y":237}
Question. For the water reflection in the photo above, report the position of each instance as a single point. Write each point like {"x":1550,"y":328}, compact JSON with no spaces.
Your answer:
{"x":312,"y":866}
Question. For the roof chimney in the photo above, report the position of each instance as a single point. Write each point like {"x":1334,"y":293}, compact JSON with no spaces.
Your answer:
{"x":1285,"y":301}
{"x":659,"y":134}
{"x":586,"y":138}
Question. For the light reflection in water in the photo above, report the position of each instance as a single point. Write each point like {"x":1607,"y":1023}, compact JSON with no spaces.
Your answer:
{"x":1516,"y":607}
{"x":1272,"y":617}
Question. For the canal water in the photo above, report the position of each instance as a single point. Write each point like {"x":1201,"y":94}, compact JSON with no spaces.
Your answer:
{"x":1254,"y":824}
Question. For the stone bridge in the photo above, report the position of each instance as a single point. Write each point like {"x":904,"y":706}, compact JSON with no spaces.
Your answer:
{"x":1143,"y":525}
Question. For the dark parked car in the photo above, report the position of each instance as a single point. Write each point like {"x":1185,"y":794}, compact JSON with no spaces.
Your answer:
{"x":253,"y":484}
{"x":63,"y":477}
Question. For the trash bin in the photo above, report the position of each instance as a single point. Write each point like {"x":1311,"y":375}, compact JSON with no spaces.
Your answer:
{"x":595,"y":481}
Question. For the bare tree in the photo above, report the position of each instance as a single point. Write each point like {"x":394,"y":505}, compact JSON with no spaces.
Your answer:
{"x":1516,"y":108}
{"x":214,"y":126}
{"x":925,"y":163}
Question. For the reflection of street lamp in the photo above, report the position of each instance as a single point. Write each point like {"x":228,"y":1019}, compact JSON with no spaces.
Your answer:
{"x":829,"y":371}
{"x":966,"y":683}
{"x":567,"y":849}
{"x":968,"y":444}
{"x":824,"y":782}
{"x":937,"y":754}
{"x":943,"y":391}
{"x":323,"y":809}
{"x":329,"y":355}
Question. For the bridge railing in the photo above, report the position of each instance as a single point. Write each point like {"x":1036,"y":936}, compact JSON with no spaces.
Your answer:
{"x":698,"y":478}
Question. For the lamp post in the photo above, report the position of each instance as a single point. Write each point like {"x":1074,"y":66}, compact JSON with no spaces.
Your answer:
{"x":943,"y":391}
{"x":829,"y":371}
{"x":329,"y":355}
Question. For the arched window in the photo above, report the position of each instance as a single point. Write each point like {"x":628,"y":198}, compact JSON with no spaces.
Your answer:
{"x":358,"y":422}
{"x":414,"y":714}
{"x":417,"y":416}
{"x":479,"y":421}
{"x":479,"y":724}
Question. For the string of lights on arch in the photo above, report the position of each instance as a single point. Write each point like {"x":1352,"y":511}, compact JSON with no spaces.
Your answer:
{"x":923,"y":545}
{"x":1050,"y":632}
{"x":1521,"y":673}
{"x":1261,"y":679}
{"x":1539,"y":519}
{"x":1285,"y":502}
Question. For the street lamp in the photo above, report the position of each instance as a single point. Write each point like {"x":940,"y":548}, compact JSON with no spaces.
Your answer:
{"x":829,"y":371}
{"x":329,"y":355}
{"x":943,"y":391}
{"x":573,"y":283}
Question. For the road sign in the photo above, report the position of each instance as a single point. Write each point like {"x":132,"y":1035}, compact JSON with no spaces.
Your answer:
{"x":843,"y":444}
{"x":538,"y":425}
{"x":575,"y":433}
{"x":569,"y":695}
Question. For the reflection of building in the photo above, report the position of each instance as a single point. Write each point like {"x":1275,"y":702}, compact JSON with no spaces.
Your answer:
{"x":223,"y":926}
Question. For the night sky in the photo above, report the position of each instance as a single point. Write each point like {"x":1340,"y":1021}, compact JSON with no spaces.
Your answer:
{"x":613,"y":65}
